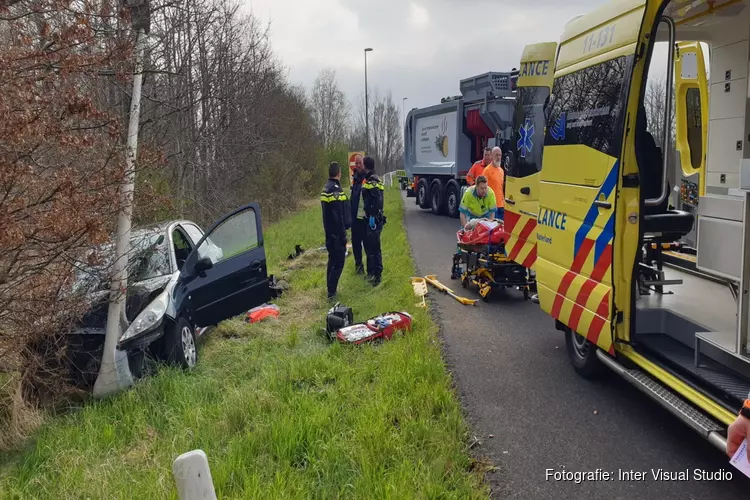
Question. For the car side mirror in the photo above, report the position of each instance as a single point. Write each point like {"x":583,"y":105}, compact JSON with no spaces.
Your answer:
{"x":203,"y":265}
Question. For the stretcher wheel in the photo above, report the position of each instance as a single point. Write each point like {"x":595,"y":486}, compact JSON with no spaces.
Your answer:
{"x":526,"y":294}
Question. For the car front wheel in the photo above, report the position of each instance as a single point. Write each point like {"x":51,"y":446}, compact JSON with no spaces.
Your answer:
{"x":180,"y":347}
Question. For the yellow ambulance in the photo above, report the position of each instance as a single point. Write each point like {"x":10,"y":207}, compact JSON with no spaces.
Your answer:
{"x":613,"y":170}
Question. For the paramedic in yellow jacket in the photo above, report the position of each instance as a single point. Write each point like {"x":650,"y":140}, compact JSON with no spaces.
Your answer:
{"x":478,"y":202}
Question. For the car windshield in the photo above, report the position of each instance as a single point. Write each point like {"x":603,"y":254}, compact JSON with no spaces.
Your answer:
{"x":149,"y":258}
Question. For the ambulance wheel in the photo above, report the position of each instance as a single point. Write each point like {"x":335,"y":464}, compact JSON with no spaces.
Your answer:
{"x":422,"y":191}
{"x":437,"y":197}
{"x":582,"y":354}
{"x":452,"y":201}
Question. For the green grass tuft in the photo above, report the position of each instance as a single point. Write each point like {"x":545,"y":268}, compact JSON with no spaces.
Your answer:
{"x":280,"y":412}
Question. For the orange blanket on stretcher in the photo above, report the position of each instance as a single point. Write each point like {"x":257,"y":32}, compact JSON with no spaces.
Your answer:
{"x":483,"y":232}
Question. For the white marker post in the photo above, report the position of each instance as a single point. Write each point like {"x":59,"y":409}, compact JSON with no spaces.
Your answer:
{"x":193,"y":477}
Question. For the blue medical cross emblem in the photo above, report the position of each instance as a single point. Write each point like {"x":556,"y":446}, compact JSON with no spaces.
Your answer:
{"x":526,"y":132}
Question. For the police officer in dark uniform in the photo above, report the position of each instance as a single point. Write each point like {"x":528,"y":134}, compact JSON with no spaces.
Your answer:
{"x":336,"y":220}
{"x":359,"y":221}
{"x":372,"y":194}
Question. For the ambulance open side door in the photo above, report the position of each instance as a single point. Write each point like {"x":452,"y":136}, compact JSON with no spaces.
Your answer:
{"x":522,"y":184}
{"x":691,"y":117}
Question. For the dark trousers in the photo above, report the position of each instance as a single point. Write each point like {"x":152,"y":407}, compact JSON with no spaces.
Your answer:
{"x":374,"y":256}
{"x":336,"y":257}
{"x":359,"y":233}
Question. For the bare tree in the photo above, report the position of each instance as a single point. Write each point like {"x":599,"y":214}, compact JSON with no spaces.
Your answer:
{"x":61,"y":158}
{"x":330,"y":109}
{"x":219,"y":106}
{"x":655,"y":102}
{"x":386,"y":136}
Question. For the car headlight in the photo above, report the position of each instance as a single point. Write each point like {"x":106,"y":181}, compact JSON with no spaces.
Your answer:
{"x":149,"y":318}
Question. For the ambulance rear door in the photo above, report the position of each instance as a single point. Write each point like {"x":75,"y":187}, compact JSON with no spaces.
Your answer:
{"x":691,"y":117}
{"x":522,"y":186}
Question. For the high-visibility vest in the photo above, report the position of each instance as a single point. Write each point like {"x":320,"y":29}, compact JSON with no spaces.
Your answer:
{"x":361,"y":205}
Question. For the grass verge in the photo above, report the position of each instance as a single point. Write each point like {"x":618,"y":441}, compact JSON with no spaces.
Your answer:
{"x":279,"y":411}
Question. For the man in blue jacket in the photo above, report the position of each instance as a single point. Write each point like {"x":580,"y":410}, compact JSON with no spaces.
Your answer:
{"x":336,"y":220}
{"x":359,"y":221}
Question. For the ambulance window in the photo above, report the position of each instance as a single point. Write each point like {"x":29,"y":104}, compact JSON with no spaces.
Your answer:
{"x":585,"y":107}
{"x":525,"y":156}
{"x":694,"y":126}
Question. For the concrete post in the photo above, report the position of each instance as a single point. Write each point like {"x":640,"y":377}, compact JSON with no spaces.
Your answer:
{"x":193,"y":477}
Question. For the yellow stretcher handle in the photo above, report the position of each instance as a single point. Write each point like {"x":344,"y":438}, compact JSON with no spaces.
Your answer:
{"x":432,"y":280}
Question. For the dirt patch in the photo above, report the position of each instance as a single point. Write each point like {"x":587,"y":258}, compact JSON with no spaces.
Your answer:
{"x":310,"y":258}
{"x":297,"y":307}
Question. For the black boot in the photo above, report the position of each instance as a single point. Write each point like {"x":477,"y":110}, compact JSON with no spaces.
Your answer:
{"x":360,"y":269}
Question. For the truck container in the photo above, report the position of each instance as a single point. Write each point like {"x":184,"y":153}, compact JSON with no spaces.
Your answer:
{"x":441,"y":142}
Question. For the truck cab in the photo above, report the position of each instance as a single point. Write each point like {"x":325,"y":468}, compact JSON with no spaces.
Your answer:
{"x":618,"y":179}
{"x":524,"y":158}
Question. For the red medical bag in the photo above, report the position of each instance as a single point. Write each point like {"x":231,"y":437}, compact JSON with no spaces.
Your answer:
{"x":379,"y":327}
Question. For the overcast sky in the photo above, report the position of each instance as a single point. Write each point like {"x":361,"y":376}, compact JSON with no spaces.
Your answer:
{"x":422,"y":49}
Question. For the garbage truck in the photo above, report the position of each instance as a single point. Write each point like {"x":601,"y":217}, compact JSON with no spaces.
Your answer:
{"x":441,"y":142}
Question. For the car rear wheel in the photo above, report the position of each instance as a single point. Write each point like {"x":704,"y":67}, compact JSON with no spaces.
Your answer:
{"x":582,"y":354}
{"x":180,"y":347}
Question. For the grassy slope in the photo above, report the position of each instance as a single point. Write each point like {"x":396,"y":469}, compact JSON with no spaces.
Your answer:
{"x":279,"y":411}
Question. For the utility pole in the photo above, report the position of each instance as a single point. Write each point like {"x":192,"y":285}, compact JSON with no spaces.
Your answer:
{"x":403,"y":110}
{"x":114,"y":372}
{"x":367,"y":109}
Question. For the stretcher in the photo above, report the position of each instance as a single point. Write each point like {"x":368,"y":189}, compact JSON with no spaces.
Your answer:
{"x":481,"y":261}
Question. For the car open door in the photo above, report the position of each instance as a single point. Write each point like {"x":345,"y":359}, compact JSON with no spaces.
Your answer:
{"x":226,"y":274}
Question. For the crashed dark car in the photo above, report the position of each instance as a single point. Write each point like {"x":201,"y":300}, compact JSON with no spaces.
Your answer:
{"x":181,"y":281}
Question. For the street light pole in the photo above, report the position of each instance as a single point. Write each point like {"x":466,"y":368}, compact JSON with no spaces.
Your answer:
{"x":367,"y":108}
{"x":114,"y":372}
{"x":403,"y":109}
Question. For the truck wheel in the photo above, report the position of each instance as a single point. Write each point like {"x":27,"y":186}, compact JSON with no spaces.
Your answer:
{"x":437,"y":196}
{"x":179,"y":347}
{"x":451,"y":200}
{"x":422,"y":192}
{"x":582,"y":354}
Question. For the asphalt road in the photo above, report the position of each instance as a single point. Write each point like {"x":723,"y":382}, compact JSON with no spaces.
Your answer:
{"x":511,"y":370}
